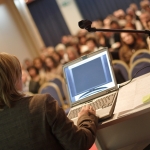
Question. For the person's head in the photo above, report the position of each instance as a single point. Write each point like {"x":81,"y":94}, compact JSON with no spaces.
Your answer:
{"x":128,"y":38}
{"x":43,"y":56}
{"x":130,"y":25}
{"x":50,"y":63}
{"x":56,"y":56}
{"x":120,"y":14}
{"x":91,"y":43}
{"x":38,"y":63}
{"x":60,"y":48}
{"x":25,"y":76}
{"x":134,"y":6}
{"x":114,"y":24}
{"x":107,"y":21}
{"x":82,"y":40}
{"x":72,"y":53}
{"x":65,"y":39}
{"x":145,"y":5}
{"x":10,"y":79}
{"x":50,"y":50}
{"x":33,"y":71}
{"x":144,"y":18}
{"x":27,"y":63}
{"x":97,"y":24}
{"x":129,"y":18}
{"x":130,"y":11}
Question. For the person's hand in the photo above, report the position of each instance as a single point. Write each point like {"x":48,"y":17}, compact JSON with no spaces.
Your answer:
{"x":116,"y":45}
{"x":86,"y":110}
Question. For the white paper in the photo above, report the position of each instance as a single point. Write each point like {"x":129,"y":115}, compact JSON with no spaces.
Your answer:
{"x":130,"y":96}
{"x":142,"y":89}
{"x":125,"y":99}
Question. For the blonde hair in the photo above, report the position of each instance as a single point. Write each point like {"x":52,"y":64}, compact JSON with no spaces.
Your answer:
{"x":10,"y":73}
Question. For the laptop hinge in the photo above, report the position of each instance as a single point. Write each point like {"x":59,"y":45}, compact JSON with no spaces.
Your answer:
{"x":76,"y":104}
{"x":111,"y":90}
{"x":81,"y":103}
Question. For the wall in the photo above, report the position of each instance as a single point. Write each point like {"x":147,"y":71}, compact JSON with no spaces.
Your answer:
{"x":29,"y":22}
{"x":14,"y":36}
{"x":70,"y":13}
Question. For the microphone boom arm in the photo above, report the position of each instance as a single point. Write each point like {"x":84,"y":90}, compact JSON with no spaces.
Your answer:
{"x":119,"y":30}
{"x":86,"y":24}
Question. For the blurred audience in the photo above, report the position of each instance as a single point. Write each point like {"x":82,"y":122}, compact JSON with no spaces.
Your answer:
{"x":40,"y":65}
{"x":72,"y":53}
{"x":92,"y":44}
{"x":52,"y":68}
{"x":25,"y":80}
{"x":49,"y":63}
{"x":130,"y":43}
{"x":36,"y":81}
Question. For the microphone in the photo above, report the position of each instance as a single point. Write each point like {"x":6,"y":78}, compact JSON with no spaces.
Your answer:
{"x":86,"y":24}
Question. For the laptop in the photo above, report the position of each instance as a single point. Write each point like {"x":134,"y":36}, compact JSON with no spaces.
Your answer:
{"x":90,"y":80}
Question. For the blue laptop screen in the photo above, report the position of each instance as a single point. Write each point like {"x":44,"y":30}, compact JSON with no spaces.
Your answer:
{"x":89,"y":76}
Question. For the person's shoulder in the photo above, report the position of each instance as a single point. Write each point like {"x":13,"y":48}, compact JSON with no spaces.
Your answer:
{"x":43,"y":97}
{"x":40,"y":99}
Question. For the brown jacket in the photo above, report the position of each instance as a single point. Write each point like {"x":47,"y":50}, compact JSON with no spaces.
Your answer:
{"x":38,"y":123}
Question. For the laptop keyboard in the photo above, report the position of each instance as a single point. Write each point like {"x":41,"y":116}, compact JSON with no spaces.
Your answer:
{"x":100,"y":103}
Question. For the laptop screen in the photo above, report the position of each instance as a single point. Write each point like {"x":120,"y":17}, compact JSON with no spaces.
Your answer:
{"x":89,"y":76}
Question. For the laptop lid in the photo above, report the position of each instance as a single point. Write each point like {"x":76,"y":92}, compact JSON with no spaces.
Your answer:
{"x":89,"y":76}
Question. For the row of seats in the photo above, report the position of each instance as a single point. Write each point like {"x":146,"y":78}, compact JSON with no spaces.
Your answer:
{"x":55,"y":88}
{"x":139,"y":60}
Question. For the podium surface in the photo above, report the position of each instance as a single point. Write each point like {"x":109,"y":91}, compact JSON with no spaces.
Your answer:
{"x":127,"y":131}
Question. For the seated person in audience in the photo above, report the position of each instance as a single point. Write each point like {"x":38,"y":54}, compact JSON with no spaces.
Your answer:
{"x":118,"y":75}
{"x":57,"y":57}
{"x":43,"y":56}
{"x":131,"y":42}
{"x":114,"y":39}
{"x":148,"y":39}
{"x":40,"y":65}
{"x":120,"y":15}
{"x":103,"y":40}
{"x":82,"y":36}
{"x":144,"y":4}
{"x":75,"y":43}
{"x":65,"y":39}
{"x":52,"y":68}
{"x":144,"y":18}
{"x":27,"y":63}
{"x":36,"y":80}
{"x":37,"y":122}
{"x":25,"y":80}
{"x":136,"y":11}
{"x":72,"y":53}
{"x":92,"y":44}
{"x":132,"y":18}
{"x":61,"y":49}
{"x":50,"y":50}
{"x":84,"y":50}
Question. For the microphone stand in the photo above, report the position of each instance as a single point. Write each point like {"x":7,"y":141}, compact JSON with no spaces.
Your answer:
{"x":119,"y":30}
{"x":86,"y":24}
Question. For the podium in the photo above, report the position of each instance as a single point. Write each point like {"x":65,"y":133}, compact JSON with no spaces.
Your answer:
{"x":128,"y":132}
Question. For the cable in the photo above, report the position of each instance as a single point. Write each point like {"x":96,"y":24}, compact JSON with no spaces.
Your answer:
{"x":135,"y":75}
